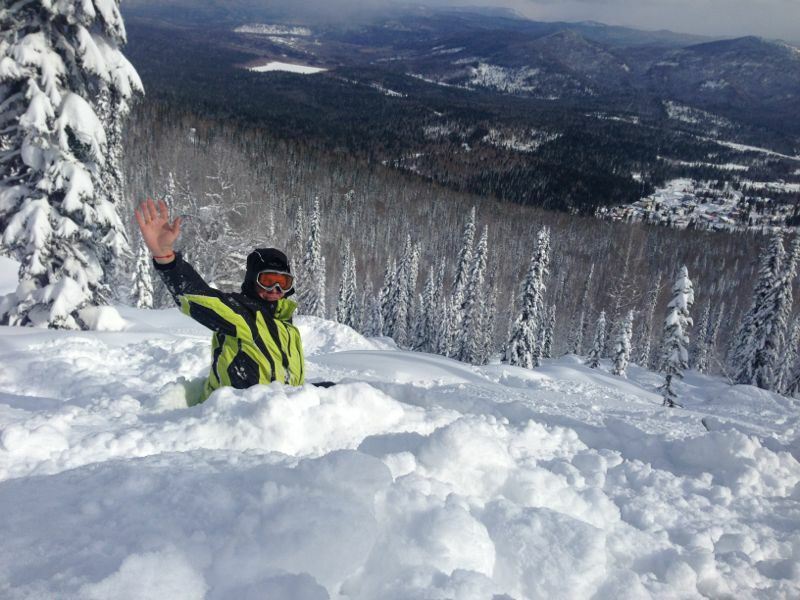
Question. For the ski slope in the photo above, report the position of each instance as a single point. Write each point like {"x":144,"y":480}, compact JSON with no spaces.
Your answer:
{"x":417,"y":477}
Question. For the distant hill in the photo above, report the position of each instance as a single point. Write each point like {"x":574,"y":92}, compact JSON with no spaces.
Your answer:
{"x":562,"y":115}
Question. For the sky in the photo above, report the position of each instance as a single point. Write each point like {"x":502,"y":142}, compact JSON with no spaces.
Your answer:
{"x":765,"y":18}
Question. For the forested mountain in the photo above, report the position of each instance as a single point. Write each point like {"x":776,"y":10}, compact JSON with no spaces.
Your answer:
{"x":558,"y":115}
{"x":238,"y":187}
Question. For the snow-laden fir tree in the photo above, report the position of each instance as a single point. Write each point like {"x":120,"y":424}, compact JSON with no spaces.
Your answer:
{"x":64,"y":90}
{"x":410,"y":277}
{"x":312,"y":291}
{"x":598,"y":343}
{"x":472,"y":336}
{"x":675,"y":338}
{"x":298,"y":244}
{"x":373,"y":318}
{"x":582,"y":320}
{"x":365,"y":306}
{"x":439,"y":312}
{"x":622,"y":345}
{"x":426,"y":322}
{"x":489,"y":319}
{"x":644,"y":344}
{"x":404,"y":293}
{"x":386,"y":296}
{"x":142,"y":283}
{"x":524,"y":347}
{"x":788,"y":379}
{"x":460,"y":285}
{"x":347,"y":299}
{"x":712,"y":335}
{"x":549,"y":332}
{"x":762,"y":335}
{"x":701,"y":339}
{"x":776,"y":318}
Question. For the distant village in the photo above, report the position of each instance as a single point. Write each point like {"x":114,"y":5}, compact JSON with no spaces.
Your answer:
{"x":689,"y":203}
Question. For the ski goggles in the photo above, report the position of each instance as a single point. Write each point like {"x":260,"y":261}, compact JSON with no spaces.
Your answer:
{"x":270,"y":280}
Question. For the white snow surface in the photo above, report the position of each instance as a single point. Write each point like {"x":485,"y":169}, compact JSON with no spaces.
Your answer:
{"x":288,"y":67}
{"x":416,"y":477}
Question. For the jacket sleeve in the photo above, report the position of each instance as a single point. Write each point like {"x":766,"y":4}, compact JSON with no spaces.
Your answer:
{"x":209,"y":307}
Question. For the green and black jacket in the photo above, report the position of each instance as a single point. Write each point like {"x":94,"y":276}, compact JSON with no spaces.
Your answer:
{"x":254,"y":341}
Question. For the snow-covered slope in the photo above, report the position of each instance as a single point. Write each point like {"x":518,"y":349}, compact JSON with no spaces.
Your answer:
{"x":415,"y":477}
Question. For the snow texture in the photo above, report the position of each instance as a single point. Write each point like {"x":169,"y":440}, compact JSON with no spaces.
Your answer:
{"x":415,"y":477}
{"x":288,"y":67}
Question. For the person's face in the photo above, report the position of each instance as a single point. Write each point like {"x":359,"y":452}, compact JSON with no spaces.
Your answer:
{"x":269,"y":295}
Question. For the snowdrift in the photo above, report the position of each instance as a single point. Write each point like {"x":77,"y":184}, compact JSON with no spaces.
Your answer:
{"x":415,"y":477}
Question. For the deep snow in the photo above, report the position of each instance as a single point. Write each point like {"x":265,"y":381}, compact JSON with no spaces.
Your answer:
{"x":417,"y":477}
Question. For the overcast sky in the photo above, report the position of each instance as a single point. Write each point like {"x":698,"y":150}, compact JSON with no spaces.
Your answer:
{"x":766,"y":18}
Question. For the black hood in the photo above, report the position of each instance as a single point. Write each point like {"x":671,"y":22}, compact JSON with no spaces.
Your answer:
{"x":264,"y":259}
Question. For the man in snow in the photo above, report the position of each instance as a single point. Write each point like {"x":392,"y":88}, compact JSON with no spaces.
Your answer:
{"x":254,"y":339}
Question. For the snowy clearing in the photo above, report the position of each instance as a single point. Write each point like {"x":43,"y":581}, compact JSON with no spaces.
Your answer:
{"x":415,"y":477}
{"x":288,"y":67}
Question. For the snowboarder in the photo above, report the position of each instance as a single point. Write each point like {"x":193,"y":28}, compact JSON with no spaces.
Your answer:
{"x":254,"y":340}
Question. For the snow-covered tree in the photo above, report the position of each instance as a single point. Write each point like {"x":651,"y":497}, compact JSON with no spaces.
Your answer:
{"x":142,"y":283}
{"x":489,"y":319}
{"x":426,"y":325}
{"x":701,"y":340}
{"x":582,"y":320}
{"x":404,"y":294}
{"x":675,"y":338}
{"x":549,"y":332}
{"x":789,"y":376}
{"x":622,"y":345}
{"x":347,"y":300}
{"x":524,"y":347}
{"x":64,"y":91}
{"x":644,"y":344}
{"x":312,"y":294}
{"x":386,"y":296}
{"x":762,"y":335}
{"x":460,"y":285}
{"x":373,"y":317}
{"x":472,"y":335}
{"x":598,"y":343}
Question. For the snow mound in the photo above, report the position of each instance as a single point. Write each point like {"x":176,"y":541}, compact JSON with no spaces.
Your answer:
{"x":416,"y":477}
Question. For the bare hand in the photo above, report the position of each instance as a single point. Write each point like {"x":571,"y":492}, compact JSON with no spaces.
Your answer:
{"x":158,"y":233}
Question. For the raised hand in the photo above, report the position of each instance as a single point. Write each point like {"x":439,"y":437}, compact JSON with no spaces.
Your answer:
{"x":158,"y":233}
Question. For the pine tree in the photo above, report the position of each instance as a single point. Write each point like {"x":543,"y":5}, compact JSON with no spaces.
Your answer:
{"x":346,"y":298}
{"x":489,"y":317}
{"x":549,"y":332}
{"x":598,"y":343}
{"x":582,"y":322}
{"x":523,"y":348}
{"x":675,"y":339}
{"x":788,"y":377}
{"x":762,"y":334}
{"x":373,"y":326}
{"x":312,"y":295}
{"x":460,"y":284}
{"x":622,"y":345}
{"x":64,"y":91}
{"x":701,"y":345}
{"x":353,"y":317}
{"x":646,"y":335}
{"x":405,"y":279}
{"x":386,"y":297}
{"x":472,"y":336}
{"x":364,"y":308}
{"x":426,"y":325}
{"x":142,"y":284}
